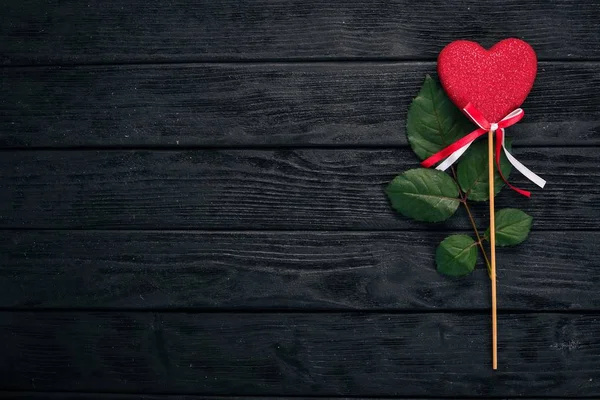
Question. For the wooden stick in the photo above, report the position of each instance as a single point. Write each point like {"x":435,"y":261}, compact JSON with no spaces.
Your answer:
{"x":493,"y":248}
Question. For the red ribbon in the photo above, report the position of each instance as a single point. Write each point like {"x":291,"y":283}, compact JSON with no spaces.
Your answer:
{"x":484,"y":127}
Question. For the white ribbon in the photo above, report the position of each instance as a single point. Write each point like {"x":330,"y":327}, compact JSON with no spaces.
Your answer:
{"x":529,"y":174}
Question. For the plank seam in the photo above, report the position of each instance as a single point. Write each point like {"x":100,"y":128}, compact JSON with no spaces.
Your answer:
{"x":269,"y":396}
{"x":229,"y":61}
{"x":274,"y":231}
{"x":159,"y":148}
{"x":272,"y":311}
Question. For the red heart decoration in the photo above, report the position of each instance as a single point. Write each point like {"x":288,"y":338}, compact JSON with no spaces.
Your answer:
{"x":495,"y":81}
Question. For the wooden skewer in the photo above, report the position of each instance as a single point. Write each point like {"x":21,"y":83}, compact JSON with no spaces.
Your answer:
{"x":493,"y":249}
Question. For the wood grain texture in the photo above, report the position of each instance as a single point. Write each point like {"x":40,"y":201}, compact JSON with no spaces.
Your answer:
{"x":348,"y":104}
{"x":37,"y":31}
{"x":12,"y":395}
{"x":27,"y":395}
{"x":308,"y":189}
{"x":192,"y":206}
{"x":300,"y":354}
{"x":282,"y":270}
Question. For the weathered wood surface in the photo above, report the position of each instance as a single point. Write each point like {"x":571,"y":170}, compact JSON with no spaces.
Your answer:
{"x":283,"y":270}
{"x":332,"y":104}
{"x":94,"y":31}
{"x":212,"y":223}
{"x":300,"y":354}
{"x":20,"y":395}
{"x":305,"y":189}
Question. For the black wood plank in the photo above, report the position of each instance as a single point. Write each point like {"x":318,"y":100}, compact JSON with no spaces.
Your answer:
{"x":301,"y":354}
{"x":312,"y":189}
{"x":12,"y":395}
{"x":6,"y":395}
{"x":279,"y":270}
{"x":256,"y":104}
{"x":41,"y":31}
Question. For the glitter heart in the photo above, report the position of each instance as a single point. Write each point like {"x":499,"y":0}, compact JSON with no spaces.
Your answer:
{"x":495,"y":81}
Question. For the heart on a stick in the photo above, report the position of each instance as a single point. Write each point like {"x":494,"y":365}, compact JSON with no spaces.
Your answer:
{"x":495,"y":81}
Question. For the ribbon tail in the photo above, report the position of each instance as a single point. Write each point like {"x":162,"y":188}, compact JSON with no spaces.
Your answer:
{"x":453,"y":157}
{"x":500,"y":144}
{"x":529,"y":174}
{"x":458,"y":147}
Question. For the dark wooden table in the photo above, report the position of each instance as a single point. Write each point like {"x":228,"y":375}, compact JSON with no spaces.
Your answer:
{"x":191,"y":203}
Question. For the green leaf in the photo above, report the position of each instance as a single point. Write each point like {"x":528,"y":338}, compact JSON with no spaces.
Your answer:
{"x":512,"y":227}
{"x":472,"y":172}
{"x":456,"y":255}
{"x":424,"y":194}
{"x":433,"y":121}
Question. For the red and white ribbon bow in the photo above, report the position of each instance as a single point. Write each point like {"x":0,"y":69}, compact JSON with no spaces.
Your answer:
{"x":456,"y":149}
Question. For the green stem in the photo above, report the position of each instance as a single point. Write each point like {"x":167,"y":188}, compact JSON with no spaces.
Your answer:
{"x":463,"y":200}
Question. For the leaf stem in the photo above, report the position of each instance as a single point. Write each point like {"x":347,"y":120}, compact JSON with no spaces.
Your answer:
{"x":463,"y":199}
{"x":479,"y":238}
